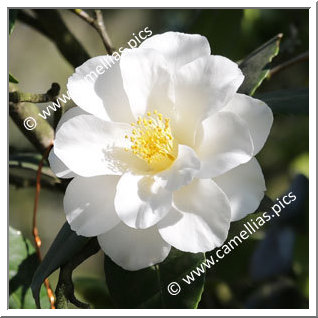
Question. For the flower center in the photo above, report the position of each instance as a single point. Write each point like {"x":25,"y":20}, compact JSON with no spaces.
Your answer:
{"x":152,"y":140}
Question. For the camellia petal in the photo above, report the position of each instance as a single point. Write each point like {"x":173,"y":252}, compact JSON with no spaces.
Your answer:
{"x":177,"y":48}
{"x":256,"y":114}
{"x":244,"y":186}
{"x":182,"y":171}
{"x":200,"y":220}
{"x":97,"y":87}
{"x":58,"y":167}
{"x":71,"y":113}
{"x":140,"y":202}
{"x":223,"y":143}
{"x":160,"y":150}
{"x":87,"y":145}
{"x":202,"y":88}
{"x":134,"y":249}
{"x":88,"y":212}
{"x":146,"y":81}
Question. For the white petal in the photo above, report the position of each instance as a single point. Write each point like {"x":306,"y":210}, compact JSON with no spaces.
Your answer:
{"x":203,"y":87}
{"x":88,"y":145}
{"x":244,"y":186}
{"x":146,"y":81}
{"x":182,"y":171}
{"x":89,"y":204}
{"x":56,"y":164}
{"x":134,"y":249}
{"x":58,"y":167}
{"x":139,"y":202}
{"x":200,"y":220}
{"x":178,"y":48}
{"x":97,"y":87}
{"x":256,"y":114}
{"x":71,"y":113}
{"x":223,"y":142}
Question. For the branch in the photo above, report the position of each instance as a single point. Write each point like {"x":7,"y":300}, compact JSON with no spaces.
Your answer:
{"x":98,"y":24}
{"x":300,"y":58}
{"x":50,"y":95}
{"x":42,"y":135}
{"x":50,"y":24}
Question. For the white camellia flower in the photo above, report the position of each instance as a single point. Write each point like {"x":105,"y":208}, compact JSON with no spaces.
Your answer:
{"x":161,"y":150}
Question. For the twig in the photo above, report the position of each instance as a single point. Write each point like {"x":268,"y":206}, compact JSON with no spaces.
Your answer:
{"x":50,"y":24}
{"x":50,"y":95}
{"x":300,"y":58}
{"x":98,"y":24}
{"x":35,"y":231}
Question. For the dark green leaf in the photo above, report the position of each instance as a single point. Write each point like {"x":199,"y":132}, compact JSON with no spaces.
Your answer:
{"x":12,"y":17}
{"x":64,"y":291}
{"x":147,"y":288}
{"x":93,"y":291}
{"x":287,"y":101}
{"x":12,"y":79}
{"x":22,"y":264}
{"x":255,"y":66}
{"x":66,"y":244}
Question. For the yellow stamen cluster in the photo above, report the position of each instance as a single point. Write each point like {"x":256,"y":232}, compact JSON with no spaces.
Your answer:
{"x":151,"y":138}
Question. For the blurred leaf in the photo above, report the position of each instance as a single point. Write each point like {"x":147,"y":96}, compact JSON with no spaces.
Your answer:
{"x":287,"y":101}
{"x":93,"y":291}
{"x":255,"y":66}
{"x":147,"y":288}
{"x":23,"y":169}
{"x":23,"y":262}
{"x":274,"y":254}
{"x":280,"y":294}
{"x":300,"y":165}
{"x":66,"y":244}
{"x":12,"y":18}
{"x":12,"y":79}
{"x":301,"y":262}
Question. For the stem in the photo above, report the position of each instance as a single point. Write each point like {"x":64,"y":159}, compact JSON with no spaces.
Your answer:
{"x":98,"y":24}
{"x":300,"y":58}
{"x":35,"y":232}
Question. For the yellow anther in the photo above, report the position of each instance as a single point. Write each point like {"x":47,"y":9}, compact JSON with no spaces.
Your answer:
{"x":152,"y":140}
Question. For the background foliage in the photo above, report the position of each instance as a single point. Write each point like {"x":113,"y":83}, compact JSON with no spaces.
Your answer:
{"x":270,"y":270}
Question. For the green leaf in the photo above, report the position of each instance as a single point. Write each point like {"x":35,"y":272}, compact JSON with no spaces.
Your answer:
{"x":147,"y":288}
{"x":287,"y":101}
{"x":66,"y":244}
{"x":12,"y":18}
{"x":255,"y":66}
{"x":12,"y":79}
{"x":93,"y":291}
{"x":23,"y":262}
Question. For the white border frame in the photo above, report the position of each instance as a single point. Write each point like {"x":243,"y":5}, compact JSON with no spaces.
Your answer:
{"x":312,"y":160}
